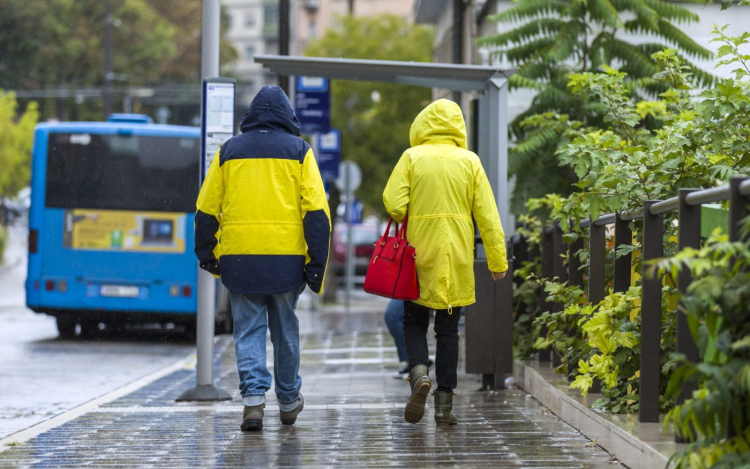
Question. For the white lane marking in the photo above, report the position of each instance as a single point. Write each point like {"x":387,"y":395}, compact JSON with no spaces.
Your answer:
{"x":235,"y":408}
{"x":352,"y":361}
{"x":316,"y":351}
{"x":24,"y":435}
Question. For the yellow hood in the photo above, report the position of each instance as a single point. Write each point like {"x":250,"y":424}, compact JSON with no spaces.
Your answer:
{"x":440,"y":122}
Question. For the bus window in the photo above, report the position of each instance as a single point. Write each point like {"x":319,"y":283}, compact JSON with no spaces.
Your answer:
{"x":122,"y":172}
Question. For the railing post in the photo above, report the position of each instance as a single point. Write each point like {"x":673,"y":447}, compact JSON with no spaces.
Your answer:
{"x":559,"y":273}
{"x":597,"y":271}
{"x":575,"y":278}
{"x":653,"y":248}
{"x":597,"y":258}
{"x":623,"y":235}
{"x":689,"y":236}
{"x":547,"y":259}
{"x":738,"y":210}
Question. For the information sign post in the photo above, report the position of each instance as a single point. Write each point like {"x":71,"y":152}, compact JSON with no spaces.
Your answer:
{"x":350,"y":177}
{"x":217,"y":126}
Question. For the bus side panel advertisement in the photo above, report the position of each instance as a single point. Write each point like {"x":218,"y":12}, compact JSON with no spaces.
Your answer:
{"x":116,"y":230}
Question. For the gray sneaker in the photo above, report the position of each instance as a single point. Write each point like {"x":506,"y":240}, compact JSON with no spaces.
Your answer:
{"x":252,"y":418}
{"x":420,"y":388}
{"x":288,"y":418}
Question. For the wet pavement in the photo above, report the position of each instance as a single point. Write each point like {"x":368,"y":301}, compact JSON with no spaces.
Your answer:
{"x":41,"y":375}
{"x":353,"y":418}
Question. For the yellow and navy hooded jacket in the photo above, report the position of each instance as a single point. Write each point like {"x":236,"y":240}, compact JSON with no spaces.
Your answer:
{"x":262,"y":222}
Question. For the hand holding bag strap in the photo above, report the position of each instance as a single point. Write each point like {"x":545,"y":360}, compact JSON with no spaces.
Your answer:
{"x":402,"y":233}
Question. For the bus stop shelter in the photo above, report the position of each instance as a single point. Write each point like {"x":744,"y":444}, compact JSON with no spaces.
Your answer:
{"x":489,"y":337}
{"x":490,"y":121}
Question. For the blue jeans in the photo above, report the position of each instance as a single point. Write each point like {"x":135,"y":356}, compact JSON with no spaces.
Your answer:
{"x":394,"y":319}
{"x":253,"y":315}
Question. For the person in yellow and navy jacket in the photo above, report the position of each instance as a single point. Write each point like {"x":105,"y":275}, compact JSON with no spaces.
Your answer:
{"x":263,"y":226}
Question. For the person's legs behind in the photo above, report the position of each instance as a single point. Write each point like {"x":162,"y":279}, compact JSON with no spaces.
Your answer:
{"x":394,"y":319}
{"x":416,"y":322}
{"x":446,"y":364}
{"x":284,"y":326}
{"x":250,"y":325}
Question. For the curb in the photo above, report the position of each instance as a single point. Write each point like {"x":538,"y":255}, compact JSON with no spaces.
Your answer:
{"x":637,"y":445}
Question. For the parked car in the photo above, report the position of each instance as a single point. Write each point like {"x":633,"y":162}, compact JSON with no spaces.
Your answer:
{"x":363,"y":238}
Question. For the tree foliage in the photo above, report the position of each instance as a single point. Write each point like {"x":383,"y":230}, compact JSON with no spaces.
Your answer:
{"x":53,"y":43}
{"x":701,"y":143}
{"x":16,"y":138}
{"x":549,"y":40}
{"x":375,"y":118}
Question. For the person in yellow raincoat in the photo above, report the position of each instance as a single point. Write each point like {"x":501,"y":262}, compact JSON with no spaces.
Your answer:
{"x":442,"y":185}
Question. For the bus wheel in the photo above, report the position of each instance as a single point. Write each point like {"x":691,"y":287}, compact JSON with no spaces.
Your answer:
{"x":66,"y":327}
{"x":191,"y":330}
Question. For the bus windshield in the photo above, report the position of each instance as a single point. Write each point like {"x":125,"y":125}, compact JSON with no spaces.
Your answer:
{"x":122,"y":172}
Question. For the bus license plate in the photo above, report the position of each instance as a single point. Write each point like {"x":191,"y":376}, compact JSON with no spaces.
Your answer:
{"x":120,"y":291}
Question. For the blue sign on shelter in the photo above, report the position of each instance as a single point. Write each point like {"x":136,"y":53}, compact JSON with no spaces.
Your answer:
{"x":313,"y":104}
{"x":329,"y":154}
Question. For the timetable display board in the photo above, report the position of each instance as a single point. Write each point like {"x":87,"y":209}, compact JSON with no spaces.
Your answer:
{"x":217,"y":123}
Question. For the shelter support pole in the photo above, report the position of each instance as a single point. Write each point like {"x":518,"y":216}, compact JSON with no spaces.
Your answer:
{"x":493,"y":146}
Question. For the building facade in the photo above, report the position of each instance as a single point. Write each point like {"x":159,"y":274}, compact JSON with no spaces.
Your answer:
{"x":314,"y":17}
{"x":253,"y":29}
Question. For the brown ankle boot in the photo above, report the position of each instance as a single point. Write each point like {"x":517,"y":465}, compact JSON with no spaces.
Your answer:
{"x":444,"y":408}
{"x":420,"y":389}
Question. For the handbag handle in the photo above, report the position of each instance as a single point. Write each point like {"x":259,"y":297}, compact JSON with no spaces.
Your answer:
{"x":402,"y":234}
{"x":388,"y":230}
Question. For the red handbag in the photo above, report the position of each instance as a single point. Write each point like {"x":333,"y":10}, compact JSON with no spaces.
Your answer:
{"x":392,"y":272}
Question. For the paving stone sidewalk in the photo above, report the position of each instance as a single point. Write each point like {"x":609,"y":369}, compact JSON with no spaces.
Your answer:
{"x":353,"y":418}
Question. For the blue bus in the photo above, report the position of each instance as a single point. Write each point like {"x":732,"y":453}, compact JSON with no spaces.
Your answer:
{"x":111,"y":223}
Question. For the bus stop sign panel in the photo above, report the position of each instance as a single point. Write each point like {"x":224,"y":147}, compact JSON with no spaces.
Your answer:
{"x":217,"y":124}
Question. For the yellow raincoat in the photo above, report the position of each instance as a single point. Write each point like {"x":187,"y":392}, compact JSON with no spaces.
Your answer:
{"x":443,"y":184}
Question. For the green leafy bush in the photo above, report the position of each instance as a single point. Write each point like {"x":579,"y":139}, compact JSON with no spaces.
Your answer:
{"x":717,"y":305}
{"x":700,"y":143}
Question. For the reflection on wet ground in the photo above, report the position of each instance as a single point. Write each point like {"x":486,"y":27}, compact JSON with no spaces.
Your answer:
{"x":353,"y":418}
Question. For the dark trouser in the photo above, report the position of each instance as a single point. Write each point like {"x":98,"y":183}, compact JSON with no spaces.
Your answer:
{"x":416,"y":323}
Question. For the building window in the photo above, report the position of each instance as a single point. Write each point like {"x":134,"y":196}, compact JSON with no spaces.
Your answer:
{"x":312,"y":30}
{"x":271,"y":15}
{"x":250,"y":19}
{"x":250,"y":53}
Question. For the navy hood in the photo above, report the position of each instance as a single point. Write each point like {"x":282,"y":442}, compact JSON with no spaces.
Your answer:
{"x":271,"y":109}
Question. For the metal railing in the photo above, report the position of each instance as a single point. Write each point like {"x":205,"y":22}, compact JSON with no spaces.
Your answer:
{"x":688,"y":205}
